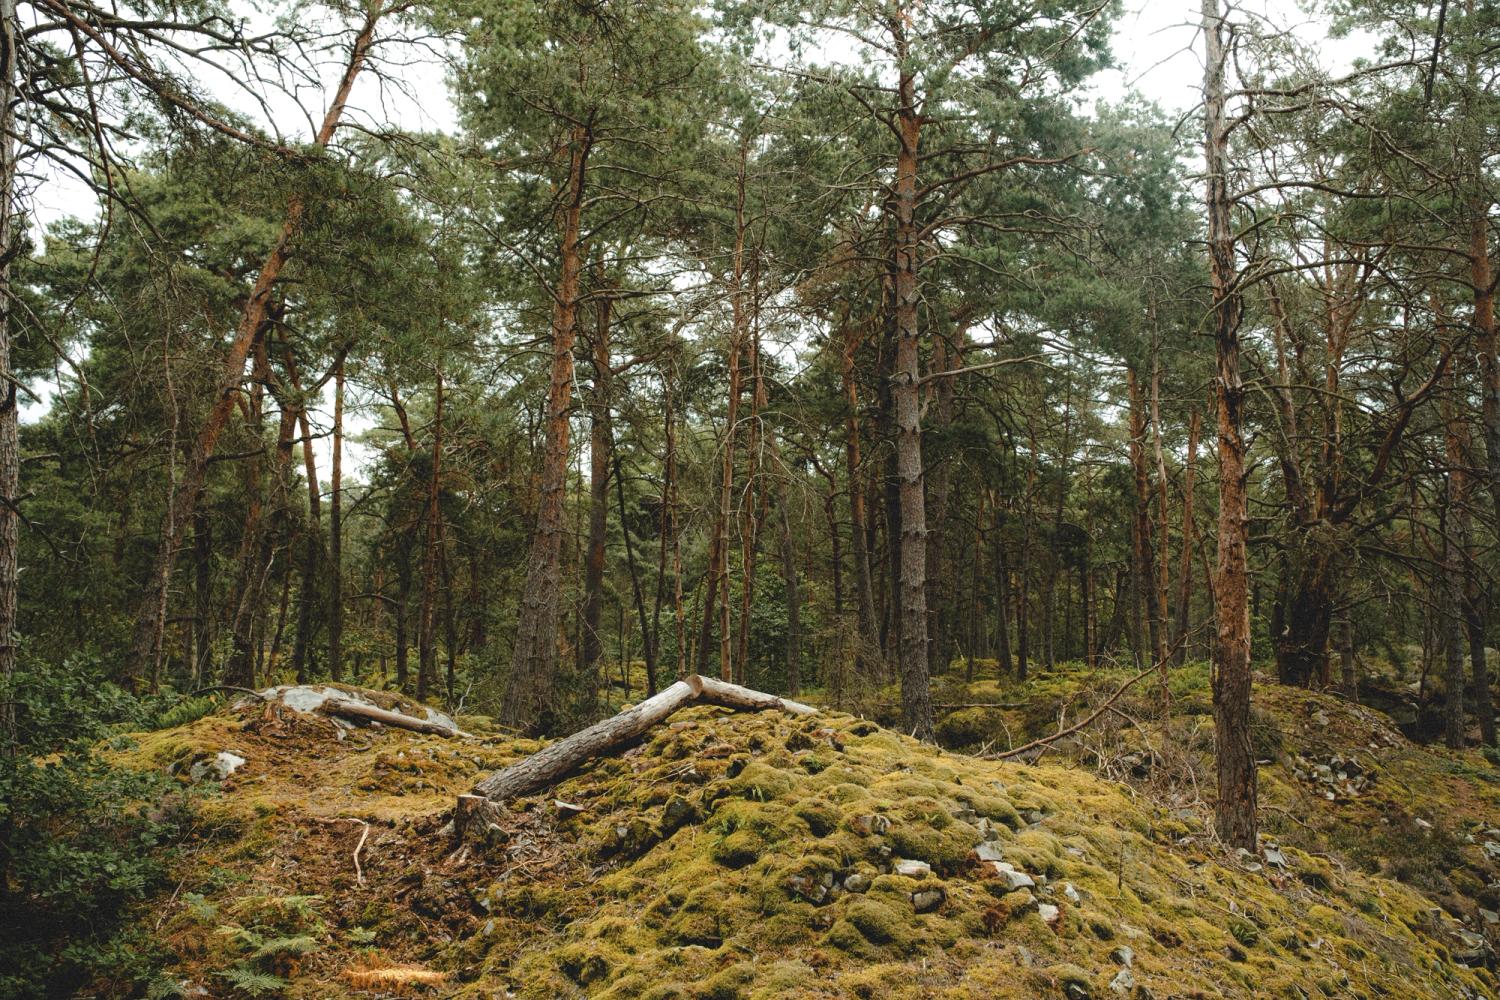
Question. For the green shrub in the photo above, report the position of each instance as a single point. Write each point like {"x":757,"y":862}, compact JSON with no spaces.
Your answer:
{"x":80,"y":841}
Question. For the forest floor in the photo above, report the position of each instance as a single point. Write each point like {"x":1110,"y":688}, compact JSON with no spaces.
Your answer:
{"x":769,"y":856}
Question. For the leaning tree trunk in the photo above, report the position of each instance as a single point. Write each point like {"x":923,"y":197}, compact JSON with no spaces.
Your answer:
{"x":916,"y":698}
{"x":1235,"y":810}
{"x":530,"y":696}
{"x":145,"y":644}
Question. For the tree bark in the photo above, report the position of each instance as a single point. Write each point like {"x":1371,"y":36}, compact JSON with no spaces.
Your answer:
{"x":1185,"y":565}
{"x":867,"y":646}
{"x":531,"y":694}
{"x":1235,"y":810}
{"x":336,"y":531}
{"x":600,"y":447}
{"x":145,"y":645}
{"x":916,"y":698}
{"x":427,"y":623}
{"x":1146,"y":579}
{"x":312,"y":544}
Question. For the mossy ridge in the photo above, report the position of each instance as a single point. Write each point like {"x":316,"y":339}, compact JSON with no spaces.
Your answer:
{"x":745,"y":901}
{"x":641,"y":902}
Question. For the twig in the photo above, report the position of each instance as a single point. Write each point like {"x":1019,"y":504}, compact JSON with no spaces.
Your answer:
{"x":1081,"y":724}
{"x":359,"y":873}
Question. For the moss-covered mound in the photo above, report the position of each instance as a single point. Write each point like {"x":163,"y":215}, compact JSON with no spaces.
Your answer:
{"x":751,"y":856}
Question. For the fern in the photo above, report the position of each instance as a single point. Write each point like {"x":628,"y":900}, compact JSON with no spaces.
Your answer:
{"x":301,"y":945}
{"x":164,"y":988}
{"x":255,"y":983}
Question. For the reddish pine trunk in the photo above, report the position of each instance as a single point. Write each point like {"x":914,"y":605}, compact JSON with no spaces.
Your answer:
{"x":531,"y":694}
{"x":1185,"y":566}
{"x":868,"y":643}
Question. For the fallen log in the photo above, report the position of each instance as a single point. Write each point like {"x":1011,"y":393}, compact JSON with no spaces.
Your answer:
{"x":557,"y":760}
{"x":369,"y":713}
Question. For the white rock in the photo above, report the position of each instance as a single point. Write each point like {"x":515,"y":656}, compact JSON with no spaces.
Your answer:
{"x":911,"y":869}
{"x":1071,"y":893}
{"x":1123,"y":982}
{"x":1048,"y":912}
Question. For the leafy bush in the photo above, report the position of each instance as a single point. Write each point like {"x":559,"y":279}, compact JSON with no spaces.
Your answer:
{"x":81,"y":841}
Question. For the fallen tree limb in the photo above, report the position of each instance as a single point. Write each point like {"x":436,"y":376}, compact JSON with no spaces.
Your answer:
{"x":557,"y":760}
{"x":369,"y":713}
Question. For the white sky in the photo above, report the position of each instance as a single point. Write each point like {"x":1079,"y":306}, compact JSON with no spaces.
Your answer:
{"x":1155,"y":47}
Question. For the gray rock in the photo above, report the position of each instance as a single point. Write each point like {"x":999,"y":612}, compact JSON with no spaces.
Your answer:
{"x":927,"y":900}
{"x":857,"y":882}
{"x":989,"y":851}
{"x":1074,"y":990}
{"x":1012,"y":878}
{"x":1123,"y":982}
{"x":677,"y":813}
{"x":1123,"y":955}
{"x":1071,"y":893}
{"x":1051,"y":914}
{"x":911,"y":869}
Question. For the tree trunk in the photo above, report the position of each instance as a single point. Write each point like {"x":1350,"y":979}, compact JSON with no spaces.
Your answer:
{"x":916,"y":699}
{"x":10,"y":440}
{"x":648,"y":636}
{"x":427,"y":625}
{"x":867,"y":647}
{"x":1306,"y":612}
{"x":1185,"y":566}
{"x":312,"y":543}
{"x":203,"y":551}
{"x":1002,"y":593}
{"x":1235,"y":810}
{"x":145,"y":645}
{"x":336,"y":531}
{"x":1348,"y":669}
{"x":793,"y":600}
{"x":531,"y":693}
{"x":600,"y":446}
{"x":1146,"y":580}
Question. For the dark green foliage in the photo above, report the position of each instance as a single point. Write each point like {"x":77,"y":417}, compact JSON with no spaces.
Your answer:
{"x":81,"y":842}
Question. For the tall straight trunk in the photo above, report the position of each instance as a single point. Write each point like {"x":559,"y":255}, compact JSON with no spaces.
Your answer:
{"x":600,"y":446}
{"x":1002,"y":593}
{"x":648,"y":635}
{"x":940,"y":483}
{"x":336,"y":531}
{"x":1023,"y":612}
{"x":793,"y":598}
{"x":718,"y":548}
{"x":916,"y":698}
{"x":1456,"y":571}
{"x":1482,"y":277}
{"x":1235,"y":810}
{"x":1185,"y":565}
{"x":257,"y":546}
{"x":450,"y":623}
{"x":399,"y":616}
{"x":10,"y":440}
{"x":427,"y":634}
{"x":679,"y":617}
{"x":1162,"y":553}
{"x":1453,"y":643}
{"x":753,"y":509}
{"x":868,"y":645}
{"x":203,"y":634}
{"x":1146,"y":578}
{"x":150,"y":619}
{"x":531,"y":693}
{"x":312,"y":544}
